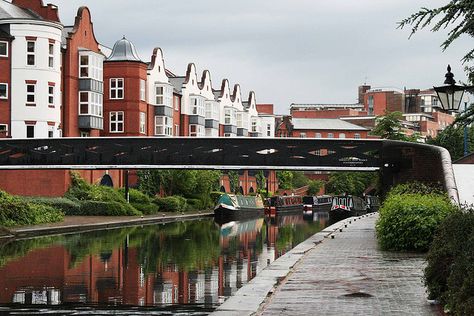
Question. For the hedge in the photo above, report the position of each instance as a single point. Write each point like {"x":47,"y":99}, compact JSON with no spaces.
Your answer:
{"x":171,"y":203}
{"x":67,"y":206}
{"x":408,"y":221}
{"x":449,"y":275}
{"x":16,"y":211}
{"x":111,"y":208}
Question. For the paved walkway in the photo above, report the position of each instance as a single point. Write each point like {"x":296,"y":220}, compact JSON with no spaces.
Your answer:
{"x":349,"y":275}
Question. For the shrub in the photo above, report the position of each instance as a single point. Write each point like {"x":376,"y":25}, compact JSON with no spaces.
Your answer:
{"x":136,"y":196}
{"x":171,"y":203}
{"x":16,"y":211}
{"x":146,"y":208}
{"x":111,"y":208}
{"x":449,"y":275}
{"x":67,"y":206}
{"x":417,"y":188}
{"x":408,"y":221}
{"x":195,"y":204}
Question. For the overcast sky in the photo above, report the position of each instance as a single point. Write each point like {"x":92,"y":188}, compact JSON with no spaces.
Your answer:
{"x":287,"y":51}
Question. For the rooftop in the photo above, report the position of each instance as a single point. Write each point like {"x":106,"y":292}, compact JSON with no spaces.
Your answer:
{"x":10,"y":11}
{"x":124,"y":50}
{"x":324,"y":124}
{"x":328,"y":105}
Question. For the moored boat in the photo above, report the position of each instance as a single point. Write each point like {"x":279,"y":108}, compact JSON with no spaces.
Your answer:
{"x":231,"y":207}
{"x":277,"y":205}
{"x":345,"y":206}
{"x":319,"y":203}
{"x":373,"y":203}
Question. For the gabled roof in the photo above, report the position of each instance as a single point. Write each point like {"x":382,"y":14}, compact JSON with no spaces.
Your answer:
{"x":10,"y":11}
{"x":325,"y":124}
{"x":177,"y":83}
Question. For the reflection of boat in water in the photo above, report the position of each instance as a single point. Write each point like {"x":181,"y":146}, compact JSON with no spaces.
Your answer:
{"x":321,"y":217}
{"x":278,"y":205}
{"x":232,"y":207}
{"x":345,"y":206}
{"x":286,"y":219}
{"x":234,"y":228}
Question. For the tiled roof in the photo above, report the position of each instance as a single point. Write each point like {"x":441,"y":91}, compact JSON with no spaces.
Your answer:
{"x":177,"y":83}
{"x":324,"y":124}
{"x":10,"y":11}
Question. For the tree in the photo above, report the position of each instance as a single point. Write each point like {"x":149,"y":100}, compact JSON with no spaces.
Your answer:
{"x":389,"y":126}
{"x":315,"y":186}
{"x":457,"y":16}
{"x":452,"y":138}
{"x":353,"y":183}
{"x":285,"y":180}
{"x":299,"y":179}
{"x":233,"y":181}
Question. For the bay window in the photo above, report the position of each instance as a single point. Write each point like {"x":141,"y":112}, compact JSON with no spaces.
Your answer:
{"x":163,"y":126}
{"x":163,"y":95}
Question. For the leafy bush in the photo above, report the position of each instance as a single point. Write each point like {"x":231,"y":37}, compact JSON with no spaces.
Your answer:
{"x":16,"y":211}
{"x":408,"y":221}
{"x":417,"y":188}
{"x":146,"y":208}
{"x":111,"y":208}
{"x":67,"y":206}
{"x":171,"y":203}
{"x":195,"y":205}
{"x":449,"y":275}
{"x":136,"y":196}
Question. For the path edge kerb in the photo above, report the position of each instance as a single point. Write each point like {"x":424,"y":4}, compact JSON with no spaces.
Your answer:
{"x":249,"y":299}
{"x":23,"y":233}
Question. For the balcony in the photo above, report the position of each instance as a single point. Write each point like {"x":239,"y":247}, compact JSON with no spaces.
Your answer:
{"x":93,"y":85}
{"x":242,"y":132}
{"x":197,"y":119}
{"x":230,"y":129}
{"x":210,"y":123}
{"x":163,"y":110}
{"x":91,"y":122}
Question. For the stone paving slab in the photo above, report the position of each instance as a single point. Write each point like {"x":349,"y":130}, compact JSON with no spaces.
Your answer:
{"x":349,"y":275}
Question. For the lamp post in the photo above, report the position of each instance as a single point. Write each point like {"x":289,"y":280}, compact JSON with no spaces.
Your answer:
{"x":450,"y":96}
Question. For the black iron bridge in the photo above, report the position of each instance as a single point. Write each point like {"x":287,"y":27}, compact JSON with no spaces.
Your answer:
{"x":397,"y":161}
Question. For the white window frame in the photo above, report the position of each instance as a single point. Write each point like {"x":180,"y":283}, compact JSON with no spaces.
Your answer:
{"x":50,"y":131}
{"x":116,"y":122}
{"x":31,"y":53}
{"x":318,"y":135}
{"x":356,"y":136}
{"x":163,"y":126}
{"x":330,"y":135}
{"x":94,"y":66}
{"x":6,"y":49}
{"x":5,"y":97}
{"x":3,"y":128}
{"x":165,"y":96}
{"x":302,"y":135}
{"x":31,"y":93}
{"x":116,"y":88}
{"x":30,"y":125}
{"x":197,"y":106}
{"x":51,"y":48}
{"x":94,"y":103}
{"x":142,"y":90}
{"x":51,"y":90}
{"x":176,"y":129}
{"x":342,"y":135}
{"x":176,"y":103}
{"x":196,"y":130}
{"x":142,"y":123}
{"x":255,"y":125}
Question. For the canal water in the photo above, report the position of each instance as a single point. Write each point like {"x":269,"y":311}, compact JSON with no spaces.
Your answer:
{"x":186,"y":268}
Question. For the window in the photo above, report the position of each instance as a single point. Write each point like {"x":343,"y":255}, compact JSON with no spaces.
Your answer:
{"x":342,"y":135}
{"x":3,"y":128}
{"x":176,"y":103}
{"x":163,"y":126}
{"x":51,"y":96}
{"x":84,"y":134}
{"x":239,"y":119}
{"x":142,"y":90}
{"x":30,"y":131}
{"x":116,"y":122}
{"x":50,"y":131}
{"x":143,"y":122}
{"x":269,"y":130}
{"x":3,"y":49}
{"x":318,"y":135}
{"x":30,"y":93}
{"x":51,"y":56}
{"x":91,"y":65}
{"x":176,"y":130}
{"x":357,"y":136}
{"x":3,"y":91}
{"x":197,"y":106}
{"x":30,"y":53}
{"x":371,"y":105}
{"x":90,"y":103}
{"x":330,"y":135}
{"x":196,"y":130}
{"x":228,"y":117}
{"x":435,"y":101}
{"x":116,"y":88}
{"x":302,"y":135}
{"x":254,"y":126}
{"x":163,"y":95}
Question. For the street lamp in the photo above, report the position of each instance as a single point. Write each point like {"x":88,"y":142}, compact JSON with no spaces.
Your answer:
{"x":451,"y":94}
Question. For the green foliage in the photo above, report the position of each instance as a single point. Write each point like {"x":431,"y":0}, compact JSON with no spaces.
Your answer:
{"x":452,"y":137}
{"x":315,"y":186}
{"x":449,"y":275}
{"x":299,"y":179}
{"x":285,"y":180}
{"x":214,"y":196}
{"x":353,"y":183}
{"x":233,"y":181}
{"x":408,"y":221}
{"x":195,"y":205}
{"x":171,"y":203}
{"x":16,"y":211}
{"x":67,"y":206}
{"x":417,"y":188}
{"x":389,"y":126}
{"x":140,"y":201}
{"x":457,"y":15}
{"x":110,"y":208}
{"x":261,"y":180}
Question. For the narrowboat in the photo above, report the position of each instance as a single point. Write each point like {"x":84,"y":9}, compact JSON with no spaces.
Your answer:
{"x":320,"y":203}
{"x":344,"y":206}
{"x":231,"y":207}
{"x":286,"y":204}
{"x":373,"y":203}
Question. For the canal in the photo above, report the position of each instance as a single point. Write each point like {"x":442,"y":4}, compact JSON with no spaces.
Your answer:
{"x":176,"y":268}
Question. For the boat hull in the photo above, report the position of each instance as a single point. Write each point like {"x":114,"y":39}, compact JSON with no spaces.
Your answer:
{"x":223,"y":213}
{"x":338,"y":214}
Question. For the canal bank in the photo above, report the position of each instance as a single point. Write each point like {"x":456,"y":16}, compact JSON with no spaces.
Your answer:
{"x":74,"y":224}
{"x":338,"y":271}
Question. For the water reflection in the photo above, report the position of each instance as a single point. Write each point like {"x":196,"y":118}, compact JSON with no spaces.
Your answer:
{"x":191,"y":265}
